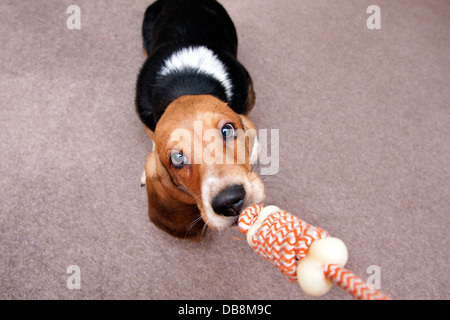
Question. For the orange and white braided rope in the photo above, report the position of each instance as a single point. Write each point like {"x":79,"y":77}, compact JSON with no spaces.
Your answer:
{"x":302,"y":252}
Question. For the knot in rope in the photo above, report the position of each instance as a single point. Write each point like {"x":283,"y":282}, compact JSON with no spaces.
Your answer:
{"x":281,"y":237}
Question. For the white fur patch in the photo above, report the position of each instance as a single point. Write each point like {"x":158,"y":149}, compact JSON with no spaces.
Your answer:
{"x":213,"y":219}
{"x":201,"y":59}
{"x":212,"y":185}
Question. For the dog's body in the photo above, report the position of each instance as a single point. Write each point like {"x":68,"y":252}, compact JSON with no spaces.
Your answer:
{"x":191,"y":85}
{"x":192,"y":48}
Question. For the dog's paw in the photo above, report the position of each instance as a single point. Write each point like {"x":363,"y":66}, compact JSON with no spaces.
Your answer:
{"x":143,"y":179}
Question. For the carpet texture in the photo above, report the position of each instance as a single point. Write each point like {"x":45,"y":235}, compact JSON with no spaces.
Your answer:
{"x":364,"y":149}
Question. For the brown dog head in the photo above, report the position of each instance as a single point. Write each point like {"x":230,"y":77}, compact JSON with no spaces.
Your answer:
{"x":200,"y":171}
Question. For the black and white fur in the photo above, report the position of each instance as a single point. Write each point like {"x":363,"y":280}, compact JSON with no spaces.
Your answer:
{"x":192,"y":50}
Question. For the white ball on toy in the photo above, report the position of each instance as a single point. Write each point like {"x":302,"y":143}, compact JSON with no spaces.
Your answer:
{"x":311,"y":277}
{"x":329,"y":251}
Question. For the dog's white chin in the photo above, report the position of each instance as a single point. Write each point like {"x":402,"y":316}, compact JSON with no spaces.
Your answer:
{"x":217,"y":222}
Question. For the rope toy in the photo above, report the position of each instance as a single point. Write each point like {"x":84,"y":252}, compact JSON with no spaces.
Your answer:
{"x":302,"y":252}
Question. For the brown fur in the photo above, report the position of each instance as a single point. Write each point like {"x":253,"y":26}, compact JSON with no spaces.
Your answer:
{"x":177,"y":211}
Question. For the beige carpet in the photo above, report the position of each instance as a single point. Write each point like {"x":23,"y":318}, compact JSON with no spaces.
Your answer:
{"x":364,"y":149}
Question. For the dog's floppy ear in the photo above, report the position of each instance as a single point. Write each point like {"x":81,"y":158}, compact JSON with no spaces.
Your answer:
{"x":170,"y":208}
{"x":250,"y":131}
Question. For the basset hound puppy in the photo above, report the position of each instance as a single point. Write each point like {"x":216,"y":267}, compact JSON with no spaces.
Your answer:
{"x":193,"y":97}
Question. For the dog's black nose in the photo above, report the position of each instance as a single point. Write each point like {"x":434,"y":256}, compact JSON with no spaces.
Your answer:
{"x":229,"y":201}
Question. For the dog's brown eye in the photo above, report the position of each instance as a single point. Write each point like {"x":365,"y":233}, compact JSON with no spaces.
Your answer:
{"x":178,"y":159}
{"x":228,"y":131}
